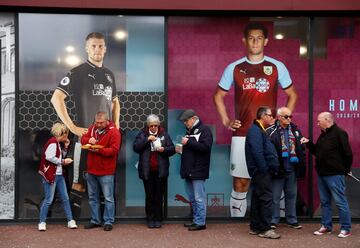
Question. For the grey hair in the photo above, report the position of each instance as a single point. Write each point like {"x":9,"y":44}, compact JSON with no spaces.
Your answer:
{"x":261,"y":111}
{"x":103,"y":114}
{"x":152,"y":118}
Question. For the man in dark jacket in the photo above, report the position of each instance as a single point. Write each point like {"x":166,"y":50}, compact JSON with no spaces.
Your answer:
{"x":262,"y":162}
{"x":286,"y":138}
{"x":195,"y":165}
{"x":155,"y":147}
{"x":333,"y":157}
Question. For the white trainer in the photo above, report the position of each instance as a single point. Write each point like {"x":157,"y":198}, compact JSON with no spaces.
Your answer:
{"x":42,"y":226}
{"x":344,"y":234}
{"x":72,"y":224}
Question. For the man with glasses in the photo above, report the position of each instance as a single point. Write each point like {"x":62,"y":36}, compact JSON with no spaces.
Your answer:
{"x":256,"y":78}
{"x":286,"y":138}
{"x":262,"y":162}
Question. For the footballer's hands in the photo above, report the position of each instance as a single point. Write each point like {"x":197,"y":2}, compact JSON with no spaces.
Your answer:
{"x":233,"y":125}
{"x":78,"y":131}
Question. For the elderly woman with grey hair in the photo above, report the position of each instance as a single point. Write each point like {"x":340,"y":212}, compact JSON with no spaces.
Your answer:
{"x":154,"y":146}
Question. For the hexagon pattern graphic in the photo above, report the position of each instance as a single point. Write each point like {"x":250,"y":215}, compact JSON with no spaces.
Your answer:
{"x":36,"y":111}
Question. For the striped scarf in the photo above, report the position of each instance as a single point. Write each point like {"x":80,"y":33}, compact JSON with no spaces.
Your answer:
{"x":288,"y":151}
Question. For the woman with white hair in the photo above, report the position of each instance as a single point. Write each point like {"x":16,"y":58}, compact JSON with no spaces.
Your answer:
{"x":155,"y":147}
{"x":51,"y":170}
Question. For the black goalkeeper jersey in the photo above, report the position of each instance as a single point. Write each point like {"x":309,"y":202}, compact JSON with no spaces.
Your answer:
{"x":92,"y":88}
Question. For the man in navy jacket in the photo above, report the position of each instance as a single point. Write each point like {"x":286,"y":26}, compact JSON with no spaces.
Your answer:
{"x":262,"y":162}
{"x":195,"y":165}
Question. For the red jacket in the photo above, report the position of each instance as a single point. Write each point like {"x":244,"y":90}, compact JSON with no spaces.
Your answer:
{"x":103,"y":162}
{"x":46,"y":168}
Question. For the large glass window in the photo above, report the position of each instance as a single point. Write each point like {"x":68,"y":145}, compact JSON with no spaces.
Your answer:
{"x":337,"y":88}
{"x":199,"y":50}
{"x":7,"y":163}
{"x":49,"y":46}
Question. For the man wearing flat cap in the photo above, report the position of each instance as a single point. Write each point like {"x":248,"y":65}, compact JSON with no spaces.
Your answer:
{"x":195,"y":165}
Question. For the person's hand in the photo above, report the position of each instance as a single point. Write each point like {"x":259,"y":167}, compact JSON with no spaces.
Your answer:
{"x":304,"y":140}
{"x":161,"y":149}
{"x":93,"y":150}
{"x":92,"y":141}
{"x":67,"y":161}
{"x":152,"y":138}
{"x":233,"y":125}
{"x":79,"y":131}
{"x":184,"y":140}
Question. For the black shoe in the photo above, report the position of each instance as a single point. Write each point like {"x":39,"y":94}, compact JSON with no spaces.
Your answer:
{"x":197,"y":227}
{"x":254,"y":232}
{"x":157,"y":224}
{"x":107,"y":227}
{"x":91,"y":226}
{"x":151,"y":224}
{"x":294,"y":225}
{"x":189,"y":224}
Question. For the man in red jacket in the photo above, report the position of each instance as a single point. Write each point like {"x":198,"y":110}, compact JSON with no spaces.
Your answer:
{"x":103,"y":142}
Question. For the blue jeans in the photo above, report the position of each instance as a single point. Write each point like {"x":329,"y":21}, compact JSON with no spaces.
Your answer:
{"x":196,"y":192}
{"x":289,"y":184}
{"x":49,"y":190}
{"x":106,"y":185}
{"x":333,"y":187}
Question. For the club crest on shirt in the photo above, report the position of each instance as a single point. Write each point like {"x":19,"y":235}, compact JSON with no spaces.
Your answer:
{"x":262,"y":85}
{"x":268,"y":70}
{"x":108,"y":77}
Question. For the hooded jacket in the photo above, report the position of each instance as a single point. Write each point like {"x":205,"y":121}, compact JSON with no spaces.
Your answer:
{"x":103,"y":162}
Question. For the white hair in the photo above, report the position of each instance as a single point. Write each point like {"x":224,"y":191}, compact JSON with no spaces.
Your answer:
{"x":152,"y":118}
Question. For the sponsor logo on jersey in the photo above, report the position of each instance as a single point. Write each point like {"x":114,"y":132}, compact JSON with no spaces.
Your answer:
{"x":100,"y":90}
{"x":262,"y":85}
{"x":65,"y":81}
{"x":249,"y":83}
{"x":268,"y":70}
{"x":243,"y":71}
{"x":108,"y":77}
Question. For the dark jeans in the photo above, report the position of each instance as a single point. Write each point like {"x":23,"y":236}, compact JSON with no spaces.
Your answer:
{"x":261,"y":203}
{"x":154,"y":196}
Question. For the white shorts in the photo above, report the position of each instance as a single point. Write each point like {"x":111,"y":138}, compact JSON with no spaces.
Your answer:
{"x":238,"y":166}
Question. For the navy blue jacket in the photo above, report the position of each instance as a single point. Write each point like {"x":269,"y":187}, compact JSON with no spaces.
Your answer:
{"x":274,"y":132}
{"x":143,"y":147}
{"x":261,"y":156}
{"x":195,"y":158}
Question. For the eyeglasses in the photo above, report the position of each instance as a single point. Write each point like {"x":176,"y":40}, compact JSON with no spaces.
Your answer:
{"x":270,"y":115}
{"x":286,"y":116}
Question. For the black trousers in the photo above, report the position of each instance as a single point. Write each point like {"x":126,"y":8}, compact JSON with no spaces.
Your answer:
{"x":261,"y":203}
{"x":154,"y":196}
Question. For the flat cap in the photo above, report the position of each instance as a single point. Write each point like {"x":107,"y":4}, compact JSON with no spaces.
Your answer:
{"x":187,"y":114}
